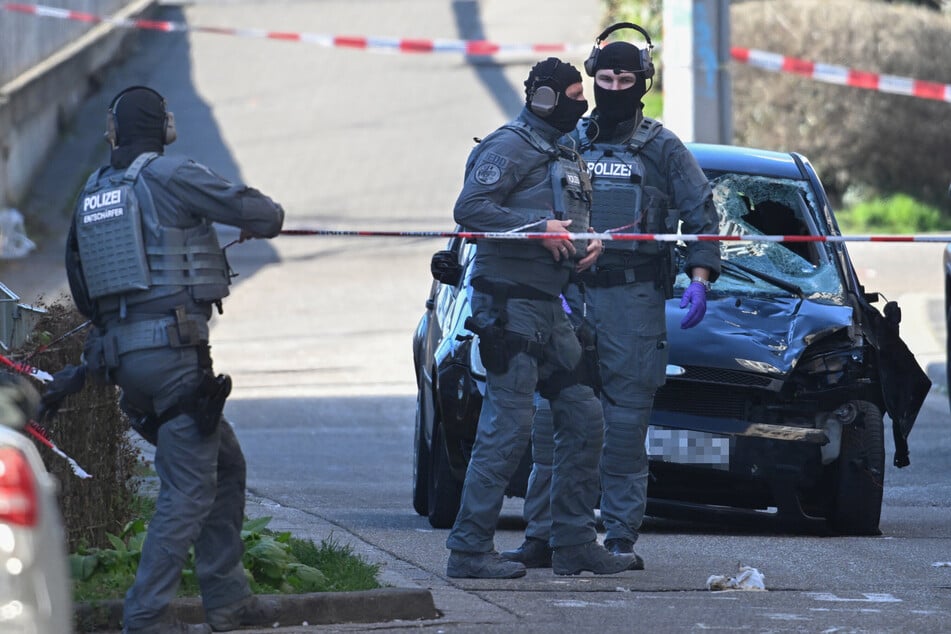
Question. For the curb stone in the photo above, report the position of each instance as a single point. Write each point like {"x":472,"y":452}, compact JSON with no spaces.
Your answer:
{"x":317,"y":608}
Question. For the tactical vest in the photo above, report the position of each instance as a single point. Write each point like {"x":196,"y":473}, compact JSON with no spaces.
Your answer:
{"x":621,"y":204}
{"x":570,"y":184}
{"x":129,"y":258}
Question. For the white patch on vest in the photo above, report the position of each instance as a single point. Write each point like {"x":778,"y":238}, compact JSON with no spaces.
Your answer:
{"x":103,"y":215}
{"x":102,"y":199}
{"x":488,"y":174}
{"x":609,"y":170}
{"x":572,"y":178}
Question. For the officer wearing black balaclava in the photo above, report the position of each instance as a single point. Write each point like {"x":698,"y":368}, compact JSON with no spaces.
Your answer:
{"x":144,"y":264}
{"x":138,"y":123}
{"x":518,"y":179}
{"x":644,"y":181}
{"x":617,"y":105}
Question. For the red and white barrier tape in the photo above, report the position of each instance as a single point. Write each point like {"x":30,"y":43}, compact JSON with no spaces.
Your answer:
{"x":24,"y":368}
{"x":32,"y":426}
{"x":380,"y":44}
{"x":35,"y":430}
{"x":775,"y":62}
{"x":843,"y":76}
{"x":637,"y":237}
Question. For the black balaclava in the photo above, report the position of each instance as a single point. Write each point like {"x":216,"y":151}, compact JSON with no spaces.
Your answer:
{"x":139,"y":124}
{"x":557,"y":75}
{"x":615,"y":106}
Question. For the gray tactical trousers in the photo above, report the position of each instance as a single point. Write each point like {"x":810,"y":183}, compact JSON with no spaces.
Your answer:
{"x":505,"y":425}
{"x":201,"y":496}
{"x":632,"y":349}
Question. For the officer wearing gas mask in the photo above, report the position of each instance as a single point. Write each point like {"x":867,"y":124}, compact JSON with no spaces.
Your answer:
{"x":144,"y":264}
{"x":518,"y":179}
{"x":645,"y":181}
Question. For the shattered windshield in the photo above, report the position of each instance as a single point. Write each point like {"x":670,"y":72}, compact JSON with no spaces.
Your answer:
{"x":758,"y":205}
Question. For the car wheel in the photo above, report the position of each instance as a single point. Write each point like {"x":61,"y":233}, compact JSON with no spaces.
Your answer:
{"x":445,"y":491}
{"x":421,"y":461}
{"x":860,"y":474}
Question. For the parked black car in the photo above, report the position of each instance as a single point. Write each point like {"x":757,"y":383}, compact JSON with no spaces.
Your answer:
{"x":773,"y":405}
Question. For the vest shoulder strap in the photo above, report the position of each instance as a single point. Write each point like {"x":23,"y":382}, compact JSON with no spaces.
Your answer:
{"x":93,"y":179}
{"x":646,"y":130}
{"x":132,"y":173}
{"x":527,"y":133}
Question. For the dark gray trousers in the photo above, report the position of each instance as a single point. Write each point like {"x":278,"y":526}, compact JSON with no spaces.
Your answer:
{"x":201,"y":496}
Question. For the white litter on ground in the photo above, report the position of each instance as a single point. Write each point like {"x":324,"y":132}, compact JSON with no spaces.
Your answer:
{"x":747,"y":578}
{"x":941,"y":564}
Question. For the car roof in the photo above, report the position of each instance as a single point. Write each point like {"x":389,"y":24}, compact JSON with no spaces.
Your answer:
{"x":744,"y":160}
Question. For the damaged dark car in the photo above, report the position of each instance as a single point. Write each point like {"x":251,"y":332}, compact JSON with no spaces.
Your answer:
{"x":774,"y":405}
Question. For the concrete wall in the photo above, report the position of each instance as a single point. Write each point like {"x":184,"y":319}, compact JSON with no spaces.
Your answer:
{"x":47,"y":78}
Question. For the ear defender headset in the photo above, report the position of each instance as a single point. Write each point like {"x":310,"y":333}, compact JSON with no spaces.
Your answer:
{"x":647,"y":64}
{"x":542,"y":100}
{"x":169,"y":134}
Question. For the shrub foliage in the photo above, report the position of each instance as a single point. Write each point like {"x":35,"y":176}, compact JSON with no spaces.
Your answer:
{"x":92,"y":430}
{"x":882,"y":143}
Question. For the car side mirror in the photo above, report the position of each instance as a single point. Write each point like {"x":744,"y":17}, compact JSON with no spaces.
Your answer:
{"x":445,"y":267}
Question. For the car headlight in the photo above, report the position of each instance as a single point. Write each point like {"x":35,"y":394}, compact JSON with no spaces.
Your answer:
{"x":833,"y":367}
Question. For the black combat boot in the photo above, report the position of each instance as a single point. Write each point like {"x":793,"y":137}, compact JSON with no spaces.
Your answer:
{"x":533,"y":553}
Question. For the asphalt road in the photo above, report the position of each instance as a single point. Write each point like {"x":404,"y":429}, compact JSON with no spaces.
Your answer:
{"x":317,"y":331}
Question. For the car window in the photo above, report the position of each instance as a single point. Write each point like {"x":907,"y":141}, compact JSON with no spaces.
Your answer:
{"x":759,"y":205}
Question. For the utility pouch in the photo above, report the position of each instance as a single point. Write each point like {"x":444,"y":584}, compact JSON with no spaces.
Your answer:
{"x":93,"y":355}
{"x":100,"y":355}
{"x":493,"y":349}
{"x":212,"y":395}
{"x":589,"y":369}
{"x":184,"y":332}
{"x":665,"y":279}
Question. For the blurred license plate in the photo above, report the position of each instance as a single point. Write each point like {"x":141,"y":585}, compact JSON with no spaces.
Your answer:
{"x":684,"y":446}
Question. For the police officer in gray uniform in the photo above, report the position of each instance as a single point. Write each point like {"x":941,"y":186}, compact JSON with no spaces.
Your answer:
{"x":144,"y":264}
{"x":645,"y":181}
{"x":519,"y":179}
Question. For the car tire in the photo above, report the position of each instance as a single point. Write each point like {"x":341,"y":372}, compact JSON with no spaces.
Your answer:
{"x":421,"y":460}
{"x":860,"y":474}
{"x":445,"y":492}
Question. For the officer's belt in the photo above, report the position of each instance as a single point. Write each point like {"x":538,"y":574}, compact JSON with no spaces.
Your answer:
{"x":153,"y":333}
{"x":510,"y":291}
{"x":617,"y":277}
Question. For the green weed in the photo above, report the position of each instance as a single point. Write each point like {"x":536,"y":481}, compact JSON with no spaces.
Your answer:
{"x":275,"y":563}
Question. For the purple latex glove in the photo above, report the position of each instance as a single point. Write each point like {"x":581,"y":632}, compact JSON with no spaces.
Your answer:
{"x":564,"y":304}
{"x":696,"y":297}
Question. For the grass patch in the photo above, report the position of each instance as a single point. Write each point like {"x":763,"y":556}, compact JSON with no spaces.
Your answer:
{"x":275,"y":563}
{"x":344,"y":570}
{"x":897,"y":214}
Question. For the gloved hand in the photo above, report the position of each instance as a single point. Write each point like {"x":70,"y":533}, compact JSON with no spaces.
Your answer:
{"x":696,"y":297}
{"x":69,"y":380}
{"x":564,"y":304}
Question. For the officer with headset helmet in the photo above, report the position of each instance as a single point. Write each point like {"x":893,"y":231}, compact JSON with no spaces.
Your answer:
{"x":144,"y":264}
{"x":519,"y":179}
{"x":645,"y":181}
